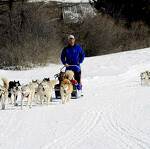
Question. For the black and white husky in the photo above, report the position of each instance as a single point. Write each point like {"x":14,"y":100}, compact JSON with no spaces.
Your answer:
{"x":13,"y":90}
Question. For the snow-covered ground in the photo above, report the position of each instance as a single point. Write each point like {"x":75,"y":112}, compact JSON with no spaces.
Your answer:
{"x":113,"y":114}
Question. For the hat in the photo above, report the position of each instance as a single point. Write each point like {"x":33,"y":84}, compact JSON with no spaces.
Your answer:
{"x":71,"y":37}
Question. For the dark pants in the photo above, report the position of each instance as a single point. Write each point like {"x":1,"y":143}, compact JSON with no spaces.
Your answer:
{"x":77,"y":76}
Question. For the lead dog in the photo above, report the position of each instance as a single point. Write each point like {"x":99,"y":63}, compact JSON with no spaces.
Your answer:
{"x":4,"y":83}
{"x":66,"y":88}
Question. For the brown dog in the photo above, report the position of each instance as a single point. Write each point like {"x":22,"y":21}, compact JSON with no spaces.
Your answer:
{"x":66,"y":88}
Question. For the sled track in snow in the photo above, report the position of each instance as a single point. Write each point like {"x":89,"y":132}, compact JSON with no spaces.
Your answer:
{"x":127,"y":137}
{"x":122,"y":134}
{"x":77,"y":133}
{"x":8,"y":128}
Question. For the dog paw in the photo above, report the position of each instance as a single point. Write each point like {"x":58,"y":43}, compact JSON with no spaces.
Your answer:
{"x":3,"y":107}
{"x":16,"y":104}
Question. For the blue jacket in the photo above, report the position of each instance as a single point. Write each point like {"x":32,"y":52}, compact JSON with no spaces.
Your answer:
{"x":73,"y":55}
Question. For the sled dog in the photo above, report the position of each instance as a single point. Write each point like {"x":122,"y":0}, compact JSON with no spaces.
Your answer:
{"x":35,"y":84}
{"x":66,"y":88}
{"x":45,"y":90}
{"x":4,"y":84}
{"x":28,"y":92}
{"x":13,"y":91}
{"x":145,"y":77}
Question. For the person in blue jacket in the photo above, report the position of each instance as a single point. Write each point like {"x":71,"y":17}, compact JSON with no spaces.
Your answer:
{"x":72,"y":56}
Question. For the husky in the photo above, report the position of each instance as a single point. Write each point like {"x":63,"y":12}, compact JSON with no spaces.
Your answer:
{"x":4,"y":84}
{"x":28,"y":92}
{"x":45,"y":90}
{"x":13,"y":91}
{"x":145,"y":77}
{"x":66,"y":88}
{"x":36,"y":83}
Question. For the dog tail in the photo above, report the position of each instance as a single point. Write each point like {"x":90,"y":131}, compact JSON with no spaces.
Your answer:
{"x":5,"y":82}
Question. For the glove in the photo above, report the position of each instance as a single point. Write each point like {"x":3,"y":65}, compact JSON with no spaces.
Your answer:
{"x":66,"y":65}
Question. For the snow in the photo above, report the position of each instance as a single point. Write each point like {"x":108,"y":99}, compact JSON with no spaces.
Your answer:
{"x":113,"y":114}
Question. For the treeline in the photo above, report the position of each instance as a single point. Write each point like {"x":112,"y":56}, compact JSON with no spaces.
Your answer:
{"x":33,"y":34}
{"x":129,"y":10}
{"x":29,"y":33}
{"x":101,"y":35}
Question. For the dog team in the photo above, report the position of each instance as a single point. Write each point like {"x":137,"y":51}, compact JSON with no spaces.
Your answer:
{"x":38,"y":91}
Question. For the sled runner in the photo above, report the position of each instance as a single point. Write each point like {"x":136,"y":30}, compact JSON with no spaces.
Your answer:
{"x":75,"y":94}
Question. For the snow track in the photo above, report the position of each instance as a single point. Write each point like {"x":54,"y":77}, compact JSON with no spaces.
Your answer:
{"x":77,"y":133}
{"x":126,"y":137}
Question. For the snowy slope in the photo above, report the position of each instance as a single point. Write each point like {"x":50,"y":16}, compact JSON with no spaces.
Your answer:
{"x":113,"y":114}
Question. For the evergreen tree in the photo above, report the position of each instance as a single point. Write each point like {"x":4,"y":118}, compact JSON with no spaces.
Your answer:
{"x":130,"y":10}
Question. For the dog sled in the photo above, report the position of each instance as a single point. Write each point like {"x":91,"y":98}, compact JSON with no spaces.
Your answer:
{"x":76,"y":92}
